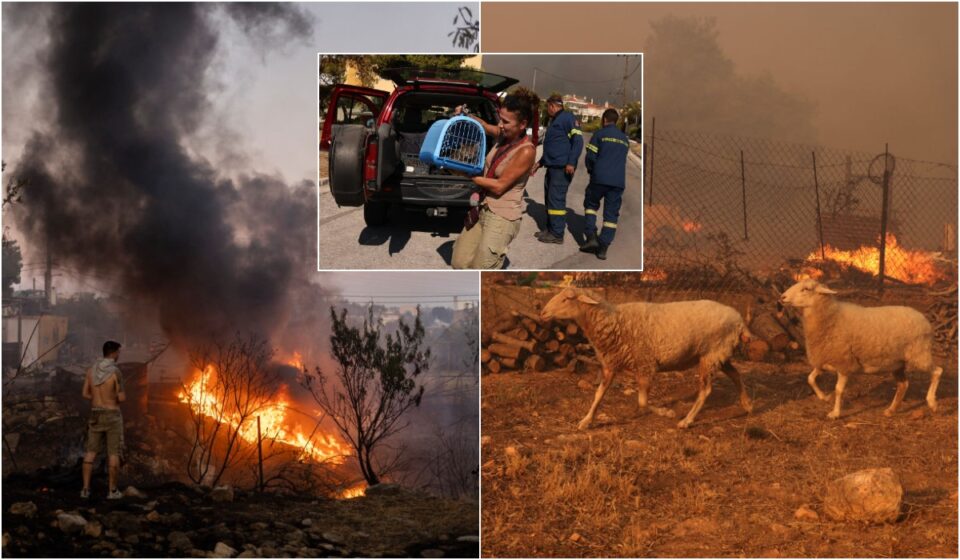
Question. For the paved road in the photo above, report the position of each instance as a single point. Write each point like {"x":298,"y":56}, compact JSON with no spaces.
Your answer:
{"x":415,"y":241}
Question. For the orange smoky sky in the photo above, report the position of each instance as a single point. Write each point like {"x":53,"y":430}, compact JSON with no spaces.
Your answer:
{"x":875,"y":72}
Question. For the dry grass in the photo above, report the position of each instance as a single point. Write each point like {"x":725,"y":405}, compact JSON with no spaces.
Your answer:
{"x":634,"y":485}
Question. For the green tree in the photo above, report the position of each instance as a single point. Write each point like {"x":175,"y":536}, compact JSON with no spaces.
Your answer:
{"x":374,"y":385}
{"x":333,"y":68}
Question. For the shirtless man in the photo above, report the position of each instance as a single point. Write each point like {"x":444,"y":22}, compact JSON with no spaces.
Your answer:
{"x":104,"y":386}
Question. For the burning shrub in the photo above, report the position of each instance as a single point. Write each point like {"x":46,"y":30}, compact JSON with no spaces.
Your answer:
{"x":237,"y":410}
{"x":234,"y":386}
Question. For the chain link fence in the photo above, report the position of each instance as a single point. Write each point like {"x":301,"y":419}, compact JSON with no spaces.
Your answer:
{"x":740,"y":219}
{"x":722,"y":210}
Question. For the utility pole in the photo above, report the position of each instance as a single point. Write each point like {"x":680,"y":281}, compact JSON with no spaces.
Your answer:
{"x":48,"y":276}
{"x":622,"y":90}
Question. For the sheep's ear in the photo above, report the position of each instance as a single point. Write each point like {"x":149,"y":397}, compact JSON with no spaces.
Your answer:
{"x":584,"y":298}
{"x":821,"y":289}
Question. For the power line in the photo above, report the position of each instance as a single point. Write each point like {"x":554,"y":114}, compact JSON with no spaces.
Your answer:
{"x":571,"y":80}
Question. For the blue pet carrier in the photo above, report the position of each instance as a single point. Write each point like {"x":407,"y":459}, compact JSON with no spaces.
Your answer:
{"x":458,"y":143}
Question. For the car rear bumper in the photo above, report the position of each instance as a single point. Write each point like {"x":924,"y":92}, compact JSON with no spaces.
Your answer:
{"x":432,"y":192}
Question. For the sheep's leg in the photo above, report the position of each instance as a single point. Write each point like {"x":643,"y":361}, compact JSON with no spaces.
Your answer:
{"x":932,"y":391}
{"x":607,"y":378}
{"x":734,"y":375}
{"x":902,"y":384}
{"x":841,"y":385}
{"x":706,"y":385}
{"x":812,"y":380}
{"x":643,"y":387}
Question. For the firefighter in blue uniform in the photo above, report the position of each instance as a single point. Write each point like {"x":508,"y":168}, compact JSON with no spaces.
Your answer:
{"x":562,"y":144}
{"x":606,"y":162}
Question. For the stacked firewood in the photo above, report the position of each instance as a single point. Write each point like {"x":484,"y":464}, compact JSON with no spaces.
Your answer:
{"x":776,"y":329}
{"x":943,"y":315}
{"x":522,"y":342}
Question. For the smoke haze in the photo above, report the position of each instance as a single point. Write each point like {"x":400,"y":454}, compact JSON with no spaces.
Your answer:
{"x":115,"y":191}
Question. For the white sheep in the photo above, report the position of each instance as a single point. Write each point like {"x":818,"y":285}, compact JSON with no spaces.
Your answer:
{"x":646,"y":337}
{"x":848,"y":338}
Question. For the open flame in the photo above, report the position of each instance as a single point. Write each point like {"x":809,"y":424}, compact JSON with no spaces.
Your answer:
{"x":273,"y":421}
{"x":908,"y":266}
{"x":654,"y":275}
{"x":296,"y":360}
{"x":354,"y":492}
{"x":691,"y":226}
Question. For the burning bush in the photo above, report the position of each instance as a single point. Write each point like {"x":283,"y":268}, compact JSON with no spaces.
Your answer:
{"x":238,"y":408}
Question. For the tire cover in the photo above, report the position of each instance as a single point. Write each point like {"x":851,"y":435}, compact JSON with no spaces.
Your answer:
{"x":346,"y":165}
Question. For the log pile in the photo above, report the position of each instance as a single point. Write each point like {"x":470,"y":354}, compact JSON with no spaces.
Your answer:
{"x":776,"y":329}
{"x":942,"y":313}
{"x":521,"y":342}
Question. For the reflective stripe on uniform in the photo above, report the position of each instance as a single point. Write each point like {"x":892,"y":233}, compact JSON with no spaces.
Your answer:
{"x":617,"y":140}
{"x":592,"y":148}
{"x":590,"y":211}
{"x":610,"y":225}
{"x":574,"y":131}
{"x":557,"y":212}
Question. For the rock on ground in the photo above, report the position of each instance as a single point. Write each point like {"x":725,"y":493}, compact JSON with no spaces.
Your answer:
{"x":93,"y":529}
{"x":222,"y":494}
{"x":179,"y":541}
{"x":870,"y":495}
{"x":223,"y":550}
{"x":804,"y":513}
{"x":71,"y":522}
{"x":132,"y":492}
{"x":27,"y":509}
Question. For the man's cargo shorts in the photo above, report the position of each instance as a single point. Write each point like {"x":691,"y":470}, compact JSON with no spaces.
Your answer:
{"x":105,"y":422}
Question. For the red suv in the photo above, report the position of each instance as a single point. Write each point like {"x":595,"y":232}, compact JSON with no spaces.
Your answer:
{"x":374,"y":139}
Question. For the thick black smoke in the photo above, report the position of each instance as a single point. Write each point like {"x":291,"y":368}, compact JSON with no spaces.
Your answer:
{"x":115,"y":192}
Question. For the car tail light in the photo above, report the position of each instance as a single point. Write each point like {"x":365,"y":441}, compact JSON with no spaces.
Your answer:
{"x":370,"y":164}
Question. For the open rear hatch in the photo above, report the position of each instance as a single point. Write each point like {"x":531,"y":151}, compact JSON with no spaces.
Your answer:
{"x":411,"y":76}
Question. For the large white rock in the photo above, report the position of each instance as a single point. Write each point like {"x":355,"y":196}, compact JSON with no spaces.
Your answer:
{"x":871,"y":495}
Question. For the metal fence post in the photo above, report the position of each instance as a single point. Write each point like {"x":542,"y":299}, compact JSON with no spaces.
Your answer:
{"x":653,"y":131}
{"x":260,"y":453}
{"x":816,"y":188}
{"x":883,"y":217}
{"x":743,"y":187}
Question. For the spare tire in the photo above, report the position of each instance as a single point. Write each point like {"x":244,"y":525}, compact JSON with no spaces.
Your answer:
{"x":346,"y":164}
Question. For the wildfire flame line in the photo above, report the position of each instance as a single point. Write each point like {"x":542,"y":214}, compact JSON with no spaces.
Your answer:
{"x":908,"y":266}
{"x":273,"y":425}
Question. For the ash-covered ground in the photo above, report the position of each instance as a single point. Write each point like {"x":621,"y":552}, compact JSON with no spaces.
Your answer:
{"x":44,"y":516}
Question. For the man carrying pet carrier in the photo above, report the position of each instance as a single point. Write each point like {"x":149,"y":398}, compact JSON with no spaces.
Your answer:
{"x":606,"y":162}
{"x":562,"y":144}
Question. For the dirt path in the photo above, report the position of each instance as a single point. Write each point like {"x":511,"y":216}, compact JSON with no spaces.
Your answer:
{"x":634,"y":485}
